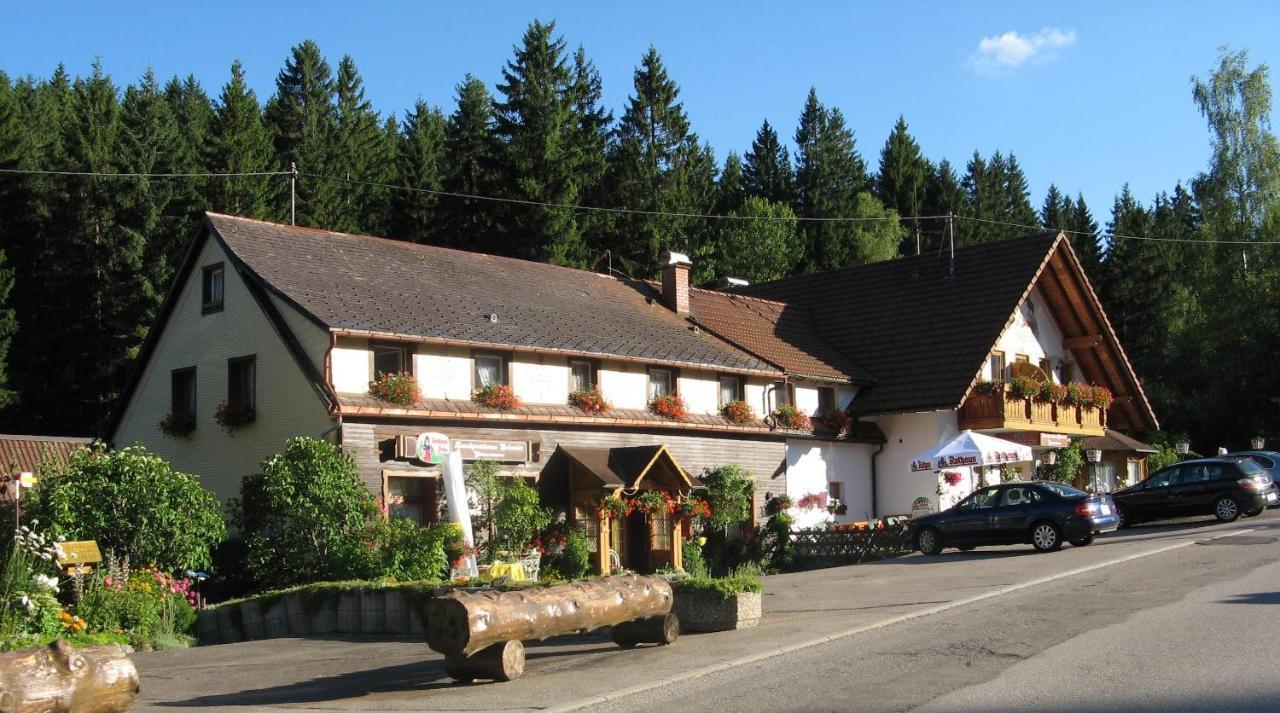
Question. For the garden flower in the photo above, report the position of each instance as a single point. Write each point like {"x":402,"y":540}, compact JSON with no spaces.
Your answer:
{"x":45,"y":581}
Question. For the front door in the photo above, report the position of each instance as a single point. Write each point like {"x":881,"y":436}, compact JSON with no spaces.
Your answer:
{"x":636,"y":542}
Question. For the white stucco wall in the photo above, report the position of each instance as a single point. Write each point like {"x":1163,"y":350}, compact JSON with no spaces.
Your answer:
{"x":287,"y":406}
{"x":443,"y":372}
{"x":807,"y":398}
{"x":909,"y":435}
{"x":812,"y":465}
{"x":755,"y":396}
{"x":1033,"y":333}
{"x":700,"y":391}
{"x":540,"y":379}
{"x":313,"y":338}
{"x":625,"y":384}
{"x":351,"y":366}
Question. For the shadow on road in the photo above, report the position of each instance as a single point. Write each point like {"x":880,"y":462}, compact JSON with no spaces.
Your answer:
{"x":1254,"y":598}
{"x":416,"y":676}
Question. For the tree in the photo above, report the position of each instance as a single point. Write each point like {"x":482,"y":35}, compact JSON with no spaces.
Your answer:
{"x":764,"y":245}
{"x":731,"y":186}
{"x":470,"y":155}
{"x":193,"y":113}
{"x":903,"y":177}
{"x":944,"y":195}
{"x":1084,"y":236}
{"x":591,"y":141}
{"x":1055,"y":214}
{"x":361,"y":152}
{"x":657,"y":165}
{"x":420,"y":166}
{"x":1017,"y":200}
{"x":537,"y":126}
{"x":134,"y":504}
{"x":766,"y":168}
{"x":300,"y":119}
{"x":239,"y":143}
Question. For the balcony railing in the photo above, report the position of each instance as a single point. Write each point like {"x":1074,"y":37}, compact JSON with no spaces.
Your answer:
{"x":1002,"y":410}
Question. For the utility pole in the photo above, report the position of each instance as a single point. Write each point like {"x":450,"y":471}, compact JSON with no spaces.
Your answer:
{"x":293,"y":193}
{"x":951,"y":240}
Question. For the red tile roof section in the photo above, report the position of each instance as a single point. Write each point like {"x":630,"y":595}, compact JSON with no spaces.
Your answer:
{"x":19,"y":453}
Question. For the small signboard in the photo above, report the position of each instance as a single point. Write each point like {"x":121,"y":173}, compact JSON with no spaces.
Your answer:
{"x":433,"y":448}
{"x":920,"y":507}
{"x":501,"y":451}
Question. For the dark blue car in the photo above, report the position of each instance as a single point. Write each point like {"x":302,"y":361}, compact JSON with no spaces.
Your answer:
{"x":1041,"y":513}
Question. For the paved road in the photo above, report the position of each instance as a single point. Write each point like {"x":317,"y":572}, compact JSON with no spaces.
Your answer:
{"x":907,"y":632}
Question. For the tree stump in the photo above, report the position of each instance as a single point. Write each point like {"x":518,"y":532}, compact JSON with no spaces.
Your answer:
{"x":500,"y":662}
{"x":661,"y":629}
{"x":60,"y":678}
{"x":462,"y":622}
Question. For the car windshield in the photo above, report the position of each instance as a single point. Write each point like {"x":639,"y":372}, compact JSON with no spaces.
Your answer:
{"x":1249,"y":467}
{"x":1065,"y":491}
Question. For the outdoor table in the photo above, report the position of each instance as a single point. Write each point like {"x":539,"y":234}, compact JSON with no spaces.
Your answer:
{"x":511,"y":570}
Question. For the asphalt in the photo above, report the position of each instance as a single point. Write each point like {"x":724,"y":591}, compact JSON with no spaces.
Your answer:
{"x":881,"y":636}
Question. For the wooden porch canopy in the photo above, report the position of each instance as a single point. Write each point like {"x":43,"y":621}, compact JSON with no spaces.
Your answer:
{"x":621,"y":468}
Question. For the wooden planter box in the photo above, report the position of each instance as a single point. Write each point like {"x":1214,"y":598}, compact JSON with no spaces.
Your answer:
{"x":706,"y":611}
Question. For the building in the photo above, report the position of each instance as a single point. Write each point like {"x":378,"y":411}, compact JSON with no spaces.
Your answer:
{"x":275,"y":331}
{"x":34,"y":454}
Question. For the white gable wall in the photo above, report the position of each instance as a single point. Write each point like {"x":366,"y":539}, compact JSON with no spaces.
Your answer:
{"x":909,"y":434}
{"x":287,"y":405}
{"x":1034,"y":333}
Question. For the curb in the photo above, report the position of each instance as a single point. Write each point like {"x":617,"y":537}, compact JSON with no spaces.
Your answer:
{"x":790,"y":648}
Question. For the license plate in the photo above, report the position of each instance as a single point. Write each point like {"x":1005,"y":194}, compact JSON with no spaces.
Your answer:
{"x":1106,"y":509}
{"x":1271,"y":497}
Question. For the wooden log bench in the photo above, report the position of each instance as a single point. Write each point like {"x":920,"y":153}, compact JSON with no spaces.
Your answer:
{"x":60,"y":677}
{"x":480,"y":632}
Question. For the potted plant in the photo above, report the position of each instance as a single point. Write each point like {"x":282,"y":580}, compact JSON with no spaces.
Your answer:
{"x":989,"y":388}
{"x":232,"y":415}
{"x":653,"y":502}
{"x":706,"y":603}
{"x":1100,"y":397}
{"x":498,"y":396}
{"x":589,"y":400}
{"x":612,"y":508}
{"x":1078,"y":395}
{"x":1024,"y":387}
{"x":397,"y":387}
{"x":812,"y":501}
{"x":692,"y":506}
{"x":1052,"y":393}
{"x":836,"y":421}
{"x":790,"y":417}
{"x":739,"y":412}
{"x":670,"y":407}
{"x":836,"y":506}
{"x":177,"y":425}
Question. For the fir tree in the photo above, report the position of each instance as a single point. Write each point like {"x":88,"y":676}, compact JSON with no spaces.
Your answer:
{"x":470,"y":150}
{"x":361,"y":152}
{"x":300,"y":119}
{"x":594,"y":125}
{"x":150,"y":143}
{"x":731,"y":186}
{"x":420,"y":166}
{"x":239,"y":143}
{"x":901,"y":182}
{"x":1017,"y":200}
{"x":1084,"y":236}
{"x":1055,"y":214}
{"x":766,"y":168}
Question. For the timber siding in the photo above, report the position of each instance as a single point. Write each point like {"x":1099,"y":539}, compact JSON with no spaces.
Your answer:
{"x":372,"y":447}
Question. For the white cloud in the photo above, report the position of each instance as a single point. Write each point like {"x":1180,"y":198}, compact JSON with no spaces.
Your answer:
{"x":1004,"y":53}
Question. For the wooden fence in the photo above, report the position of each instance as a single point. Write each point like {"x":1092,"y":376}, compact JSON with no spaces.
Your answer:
{"x":850,"y":545}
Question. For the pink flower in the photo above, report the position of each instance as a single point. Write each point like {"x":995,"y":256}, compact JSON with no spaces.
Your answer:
{"x":107,"y":581}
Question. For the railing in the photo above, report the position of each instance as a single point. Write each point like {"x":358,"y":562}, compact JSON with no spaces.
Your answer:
{"x":850,"y":545}
{"x":1002,"y":410}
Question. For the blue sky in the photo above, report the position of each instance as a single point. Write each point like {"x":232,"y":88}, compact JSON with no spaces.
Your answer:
{"x":1089,"y":95}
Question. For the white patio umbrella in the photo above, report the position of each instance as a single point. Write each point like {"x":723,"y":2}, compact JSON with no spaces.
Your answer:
{"x":970,"y":449}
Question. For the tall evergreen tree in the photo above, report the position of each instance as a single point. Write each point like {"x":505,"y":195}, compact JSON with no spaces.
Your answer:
{"x":1017,"y":200}
{"x":361,"y":152}
{"x":731,"y":186}
{"x":420,"y":166}
{"x":1084,"y":236}
{"x":150,"y":143}
{"x":538,"y":128}
{"x":300,"y":118}
{"x":766,"y":168}
{"x":594,"y":126}
{"x":657,"y":165}
{"x":902,"y":179}
{"x":470,"y":151}
{"x":944,"y":195}
{"x":1055,"y":213}
{"x":193,"y":113}
{"x":239,"y":143}
{"x":12,"y":142}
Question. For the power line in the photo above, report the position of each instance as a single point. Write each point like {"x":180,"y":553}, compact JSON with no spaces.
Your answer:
{"x":95,"y":174}
{"x":1121,"y":237}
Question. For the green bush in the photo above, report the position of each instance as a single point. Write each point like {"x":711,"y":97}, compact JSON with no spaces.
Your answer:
{"x":409,"y":551}
{"x":691,"y":553}
{"x":518,"y":516}
{"x":741,"y":580}
{"x":573,"y":561}
{"x":729,"y":492}
{"x":306,"y":518}
{"x":134,"y":504}
{"x":146,"y":606}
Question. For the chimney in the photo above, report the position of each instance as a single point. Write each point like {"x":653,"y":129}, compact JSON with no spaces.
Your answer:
{"x":675,"y":281}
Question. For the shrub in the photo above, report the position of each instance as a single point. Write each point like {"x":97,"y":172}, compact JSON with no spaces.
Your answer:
{"x":670,"y":406}
{"x":573,"y":561}
{"x":788,"y":416}
{"x":1078,"y":394}
{"x":1024,"y":387}
{"x":149,"y":608}
{"x":408,"y":551}
{"x":398,"y":387}
{"x":729,"y":493}
{"x":518,"y":516}
{"x":1069,"y":462}
{"x":1100,"y":397}
{"x":134,"y":504}
{"x":231,"y":415}
{"x":28,"y":586}
{"x":484,"y":490}
{"x":691,"y":552}
{"x":589,"y":400}
{"x":306,"y":518}
{"x":741,"y":580}
{"x":739,"y":412}
{"x":499,"y":396}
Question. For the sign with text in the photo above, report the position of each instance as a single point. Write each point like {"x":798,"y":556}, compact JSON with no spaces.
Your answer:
{"x":433,"y":448}
{"x":501,"y":451}
{"x":1034,"y":438}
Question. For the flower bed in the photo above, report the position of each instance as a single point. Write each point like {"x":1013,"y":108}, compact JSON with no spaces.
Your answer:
{"x":499,"y":396}
{"x":589,"y":400}
{"x":400,"y":388}
{"x":717,"y":604}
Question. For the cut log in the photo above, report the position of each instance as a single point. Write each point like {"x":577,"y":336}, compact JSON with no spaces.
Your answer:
{"x":60,"y":677}
{"x":463,"y":622}
{"x":661,"y":629}
{"x":500,"y":662}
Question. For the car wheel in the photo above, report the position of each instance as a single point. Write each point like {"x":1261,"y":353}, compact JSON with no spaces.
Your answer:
{"x":1046,"y":537}
{"x":928,"y":541}
{"x":1082,"y":542}
{"x":1226,"y":509}
{"x":1125,"y":519}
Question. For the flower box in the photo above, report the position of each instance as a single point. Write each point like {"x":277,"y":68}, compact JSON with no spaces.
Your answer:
{"x":177,"y":425}
{"x":589,"y":400}
{"x":709,"y":611}
{"x":231,"y":415}
{"x":671,"y":407}
{"x":498,"y":396}
{"x":837,"y":422}
{"x":400,"y":388}
{"x":790,"y":417}
{"x":738,"y":412}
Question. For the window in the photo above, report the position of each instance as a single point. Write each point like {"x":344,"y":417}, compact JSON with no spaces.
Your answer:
{"x":211,"y":289}
{"x":661,"y":383}
{"x":730,"y":390}
{"x":1022,"y":359}
{"x":1046,"y":365}
{"x":1263,"y":461}
{"x":582,"y":375}
{"x":241,"y":382}
{"x":390,"y":358}
{"x":997,"y":366}
{"x":826,"y":400}
{"x":981,"y":500}
{"x":1021,"y":496}
{"x":412,"y":498}
{"x":1162,"y":479}
{"x":783,"y":395}
{"x":660,"y":530}
{"x":584,"y":516}
{"x":1066,"y":372}
{"x":835,"y":489}
{"x":182,"y":385}
{"x":490,"y":370}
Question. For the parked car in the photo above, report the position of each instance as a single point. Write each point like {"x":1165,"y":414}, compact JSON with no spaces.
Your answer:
{"x":1226,"y":487}
{"x":1270,"y":462}
{"x":1041,"y":513}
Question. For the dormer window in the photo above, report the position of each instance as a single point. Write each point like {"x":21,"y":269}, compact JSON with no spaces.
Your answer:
{"x":662,"y":382}
{"x":390,"y":358}
{"x":490,"y":370}
{"x":211,"y":289}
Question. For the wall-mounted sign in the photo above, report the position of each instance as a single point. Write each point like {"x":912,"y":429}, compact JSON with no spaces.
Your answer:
{"x":433,"y":448}
{"x":501,"y":451}
{"x":920,"y":506}
{"x":1034,"y":438}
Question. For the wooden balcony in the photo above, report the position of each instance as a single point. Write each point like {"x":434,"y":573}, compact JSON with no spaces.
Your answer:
{"x":1002,"y":411}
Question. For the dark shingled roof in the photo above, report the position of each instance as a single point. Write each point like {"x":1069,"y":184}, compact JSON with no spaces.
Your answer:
{"x":1117,"y":441}
{"x":779,"y":333}
{"x":922,"y":333}
{"x":364,"y":283}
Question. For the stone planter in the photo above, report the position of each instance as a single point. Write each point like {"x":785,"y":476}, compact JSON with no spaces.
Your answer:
{"x":707,"y":611}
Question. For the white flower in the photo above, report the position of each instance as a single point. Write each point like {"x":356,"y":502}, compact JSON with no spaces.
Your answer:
{"x":44,"y":581}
